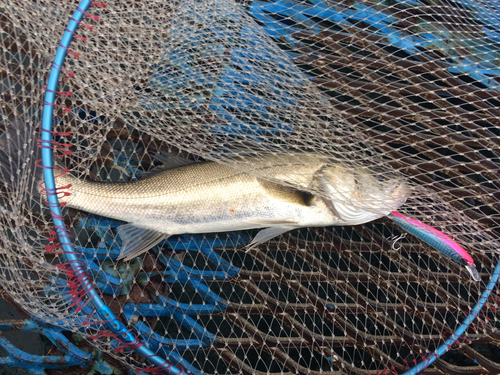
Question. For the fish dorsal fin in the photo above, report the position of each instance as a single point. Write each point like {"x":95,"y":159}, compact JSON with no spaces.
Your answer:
{"x":269,"y":233}
{"x":168,"y":162}
{"x":137,"y":240}
{"x":172,"y":161}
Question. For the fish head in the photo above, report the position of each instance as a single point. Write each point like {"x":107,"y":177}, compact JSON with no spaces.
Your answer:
{"x":359,"y":195}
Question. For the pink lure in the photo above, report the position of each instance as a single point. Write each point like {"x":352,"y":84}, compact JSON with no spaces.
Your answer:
{"x":438,"y":240}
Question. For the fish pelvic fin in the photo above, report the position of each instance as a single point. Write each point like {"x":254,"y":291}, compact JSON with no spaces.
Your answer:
{"x":267,"y":234}
{"x":272,"y":222}
{"x":137,"y":240}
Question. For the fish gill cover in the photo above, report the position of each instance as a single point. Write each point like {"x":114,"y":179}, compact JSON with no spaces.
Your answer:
{"x":386,"y":91}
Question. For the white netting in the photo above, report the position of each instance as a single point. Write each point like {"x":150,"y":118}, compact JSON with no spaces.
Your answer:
{"x":390,"y":90}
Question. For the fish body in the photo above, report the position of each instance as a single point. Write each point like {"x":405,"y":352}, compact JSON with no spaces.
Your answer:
{"x":199,"y":198}
{"x":213,"y":197}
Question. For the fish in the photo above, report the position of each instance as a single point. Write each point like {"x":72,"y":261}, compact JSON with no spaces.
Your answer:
{"x":438,"y":240}
{"x":275,"y":193}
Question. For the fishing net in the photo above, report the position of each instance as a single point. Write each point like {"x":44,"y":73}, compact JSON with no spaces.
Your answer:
{"x":404,"y":88}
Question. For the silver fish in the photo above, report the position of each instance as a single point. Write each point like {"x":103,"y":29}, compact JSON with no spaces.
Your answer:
{"x":275,"y":194}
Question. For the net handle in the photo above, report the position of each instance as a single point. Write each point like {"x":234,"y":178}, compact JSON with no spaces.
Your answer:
{"x":127,"y":337}
{"x":446,"y":346}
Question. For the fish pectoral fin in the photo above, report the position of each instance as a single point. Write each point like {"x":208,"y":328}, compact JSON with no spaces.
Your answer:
{"x":269,"y":233}
{"x":285,"y":193}
{"x":319,"y":182}
{"x":137,"y":240}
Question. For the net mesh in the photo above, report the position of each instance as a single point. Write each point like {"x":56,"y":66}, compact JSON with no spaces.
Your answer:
{"x":397,"y":88}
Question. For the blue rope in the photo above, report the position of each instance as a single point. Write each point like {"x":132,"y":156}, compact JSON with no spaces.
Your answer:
{"x":102,"y":309}
{"x":70,"y":355}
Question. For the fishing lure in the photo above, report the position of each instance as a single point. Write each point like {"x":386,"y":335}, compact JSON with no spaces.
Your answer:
{"x":437,"y":240}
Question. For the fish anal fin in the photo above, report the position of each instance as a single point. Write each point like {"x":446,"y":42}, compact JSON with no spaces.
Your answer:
{"x":137,"y":240}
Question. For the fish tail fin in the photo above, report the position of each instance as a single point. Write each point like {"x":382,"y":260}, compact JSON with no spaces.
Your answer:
{"x":19,"y":174}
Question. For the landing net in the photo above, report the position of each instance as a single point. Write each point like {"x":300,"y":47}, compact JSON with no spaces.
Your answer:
{"x":403,"y":88}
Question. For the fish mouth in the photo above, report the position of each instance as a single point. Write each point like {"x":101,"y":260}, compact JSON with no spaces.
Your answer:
{"x":399,"y":190}
{"x":368,"y":208}
{"x":395,"y":187}
{"x":367,"y":200}
{"x":392,"y":187}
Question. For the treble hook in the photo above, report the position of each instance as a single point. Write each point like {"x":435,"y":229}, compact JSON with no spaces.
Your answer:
{"x":395,"y":239}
